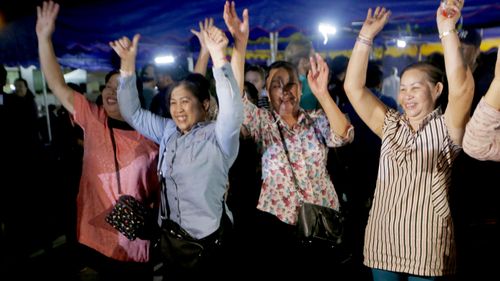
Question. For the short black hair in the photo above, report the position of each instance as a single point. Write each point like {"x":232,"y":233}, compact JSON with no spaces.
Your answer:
{"x":196,"y":83}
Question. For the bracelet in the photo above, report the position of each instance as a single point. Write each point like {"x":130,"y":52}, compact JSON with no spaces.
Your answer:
{"x":446,"y":33}
{"x":365,"y":41}
{"x":125,"y":72}
{"x":365,"y":38}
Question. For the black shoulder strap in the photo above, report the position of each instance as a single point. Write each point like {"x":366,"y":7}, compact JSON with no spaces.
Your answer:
{"x":117,"y":165}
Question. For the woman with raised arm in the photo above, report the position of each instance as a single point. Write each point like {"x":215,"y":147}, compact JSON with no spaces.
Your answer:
{"x":482,"y":134}
{"x":195,"y":154}
{"x":117,"y":160}
{"x":294,"y":145}
{"x":409,"y":235}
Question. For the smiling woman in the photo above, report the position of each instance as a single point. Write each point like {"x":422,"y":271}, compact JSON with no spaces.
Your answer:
{"x":117,"y":161}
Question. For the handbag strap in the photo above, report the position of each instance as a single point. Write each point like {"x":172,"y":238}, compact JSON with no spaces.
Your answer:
{"x":286,"y":153}
{"x":113,"y":123}
{"x":117,"y":165}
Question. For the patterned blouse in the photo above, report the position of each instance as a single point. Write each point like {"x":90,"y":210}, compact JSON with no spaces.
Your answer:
{"x":307,"y":143}
{"x":410,"y":228}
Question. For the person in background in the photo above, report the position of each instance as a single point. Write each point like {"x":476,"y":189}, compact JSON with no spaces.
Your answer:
{"x":256,"y":75}
{"x":390,"y":85}
{"x":410,"y":233}
{"x":298,"y":52}
{"x":191,"y":144}
{"x":149,"y":90}
{"x":117,"y":160}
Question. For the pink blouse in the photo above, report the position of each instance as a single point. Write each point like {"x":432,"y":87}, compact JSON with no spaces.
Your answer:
{"x":98,"y":190}
{"x":307,"y":142}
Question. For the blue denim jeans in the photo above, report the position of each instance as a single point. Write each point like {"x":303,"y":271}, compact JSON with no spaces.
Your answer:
{"x":384,"y":275}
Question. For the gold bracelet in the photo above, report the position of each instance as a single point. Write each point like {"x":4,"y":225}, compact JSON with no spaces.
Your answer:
{"x":446,"y":33}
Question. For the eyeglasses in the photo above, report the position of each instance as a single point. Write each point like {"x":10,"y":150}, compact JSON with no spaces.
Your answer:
{"x":275,"y":85}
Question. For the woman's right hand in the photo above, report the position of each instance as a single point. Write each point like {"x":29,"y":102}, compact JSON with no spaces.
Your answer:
{"x":374,"y":23}
{"x":127,"y":51}
{"x":216,"y":42}
{"x":46,"y":18}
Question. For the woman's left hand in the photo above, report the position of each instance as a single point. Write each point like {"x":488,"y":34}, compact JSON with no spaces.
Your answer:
{"x":318,"y":76}
{"x":127,"y":51}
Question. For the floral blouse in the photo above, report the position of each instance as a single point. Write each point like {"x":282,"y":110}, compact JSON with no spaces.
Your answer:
{"x":307,"y":142}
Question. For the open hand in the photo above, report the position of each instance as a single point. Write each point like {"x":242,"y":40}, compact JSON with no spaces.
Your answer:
{"x":239,"y":29}
{"x":318,"y":76}
{"x":125,"y":48}
{"x":200,"y":35}
{"x":374,"y":23}
{"x":46,"y":18}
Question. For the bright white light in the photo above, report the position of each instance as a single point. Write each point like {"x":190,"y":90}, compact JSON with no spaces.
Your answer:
{"x":12,"y":87}
{"x":164,"y":59}
{"x":326,"y":29}
{"x":401,"y":43}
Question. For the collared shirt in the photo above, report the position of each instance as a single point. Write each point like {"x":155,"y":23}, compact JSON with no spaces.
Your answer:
{"x":195,"y":165}
{"x":410,"y":228}
{"x":283,"y":190}
{"x":482,"y":134}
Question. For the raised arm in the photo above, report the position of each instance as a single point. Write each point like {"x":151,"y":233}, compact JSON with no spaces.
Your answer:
{"x":45,"y":26}
{"x":318,"y":81}
{"x":369,"y":107}
{"x":240,"y":31}
{"x":230,"y":118}
{"x":492,"y":97}
{"x":202,"y":62}
{"x":482,"y":134}
{"x":144,"y":121}
{"x":459,"y":75}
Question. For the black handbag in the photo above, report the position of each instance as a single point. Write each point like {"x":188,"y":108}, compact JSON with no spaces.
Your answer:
{"x":130,"y":217}
{"x":323,"y":227}
{"x":320,"y":224}
{"x":178,"y":247}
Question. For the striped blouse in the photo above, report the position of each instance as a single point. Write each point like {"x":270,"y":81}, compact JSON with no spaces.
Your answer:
{"x":410,"y":228}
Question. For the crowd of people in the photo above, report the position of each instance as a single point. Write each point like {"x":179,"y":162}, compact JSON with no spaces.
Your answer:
{"x":229,"y":154}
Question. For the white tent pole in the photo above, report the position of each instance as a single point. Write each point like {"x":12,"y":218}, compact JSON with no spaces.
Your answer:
{"x":47,"y":117}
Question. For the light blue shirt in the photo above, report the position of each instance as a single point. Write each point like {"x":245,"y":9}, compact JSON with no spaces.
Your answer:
{"x":195,"y":165}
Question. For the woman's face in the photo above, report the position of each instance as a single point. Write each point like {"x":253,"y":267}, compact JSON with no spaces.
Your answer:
{"x":418,"y":95}
{"x":284,"y":91}
{"x":186,"y":109}
{"x":109,"y":100}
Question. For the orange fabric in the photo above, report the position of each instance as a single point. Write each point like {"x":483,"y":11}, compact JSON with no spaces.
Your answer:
{"x":98,"y":190}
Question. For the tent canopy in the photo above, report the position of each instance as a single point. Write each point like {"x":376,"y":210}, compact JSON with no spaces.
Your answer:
{"x":84,"y":28}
